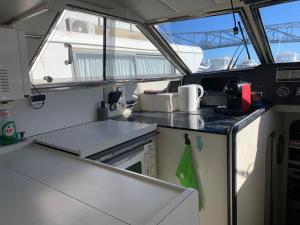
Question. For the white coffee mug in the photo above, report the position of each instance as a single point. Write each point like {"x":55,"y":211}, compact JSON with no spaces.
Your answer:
{"x":189,"y":97}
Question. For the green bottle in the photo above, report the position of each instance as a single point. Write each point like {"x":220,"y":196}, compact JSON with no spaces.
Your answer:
{"x":8,"y":133}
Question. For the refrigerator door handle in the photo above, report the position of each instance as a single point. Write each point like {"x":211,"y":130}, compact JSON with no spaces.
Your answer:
{"x":280,"y":150}
{"x":269,"y":171}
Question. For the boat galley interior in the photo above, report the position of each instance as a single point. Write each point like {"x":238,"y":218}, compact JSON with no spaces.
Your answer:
{"x":149,"y":112}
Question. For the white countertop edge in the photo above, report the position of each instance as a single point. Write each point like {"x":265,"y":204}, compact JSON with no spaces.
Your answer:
{"x":30,"y":141}
{"x":172,"y":206}
{"x":134,"y":175}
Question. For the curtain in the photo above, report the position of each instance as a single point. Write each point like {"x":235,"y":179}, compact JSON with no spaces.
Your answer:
{"x":153,"y":66}
{"x":121,"y":66}
{"x":89,"y":65}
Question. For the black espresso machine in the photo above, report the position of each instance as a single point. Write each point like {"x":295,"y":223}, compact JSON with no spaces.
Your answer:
{"x":238,"y":97}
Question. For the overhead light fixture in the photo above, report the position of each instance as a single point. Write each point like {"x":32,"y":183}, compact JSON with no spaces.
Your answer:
{"x":34,"y":11}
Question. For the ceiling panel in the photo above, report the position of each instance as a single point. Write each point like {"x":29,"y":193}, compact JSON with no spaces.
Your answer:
{"x":147,"y":9}
{"x":160,"y":9}
{"x":144,"y":9}
{"x":37,"y":25}
{"x":105,"y":4}
{"x":12,"y":8}
{"x":188,"y":5}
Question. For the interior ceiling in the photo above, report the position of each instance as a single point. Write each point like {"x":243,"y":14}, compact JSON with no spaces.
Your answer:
{"x":141,"y":9}
{"x":161,"y":9}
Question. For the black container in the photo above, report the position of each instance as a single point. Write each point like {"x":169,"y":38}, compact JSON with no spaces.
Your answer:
{"x":102,"y":112}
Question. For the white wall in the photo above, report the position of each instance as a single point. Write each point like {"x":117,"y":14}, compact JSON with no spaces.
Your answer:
{"x":70,"y":107}
{"x":62,"y":109}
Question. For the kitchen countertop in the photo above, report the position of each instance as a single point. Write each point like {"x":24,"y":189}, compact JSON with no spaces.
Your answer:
{"x":204,"y":120}
{"x":40,"y":185}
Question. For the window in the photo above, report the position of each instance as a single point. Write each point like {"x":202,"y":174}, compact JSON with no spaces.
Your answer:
{"x":283,"y":30}
{"x":74,"y":52}
{"x":84,"y":34}
{"x":130,"y":55}
{"x":208,"y":44}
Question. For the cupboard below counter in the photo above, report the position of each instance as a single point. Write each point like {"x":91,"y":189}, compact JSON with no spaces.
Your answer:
{"x":230,"y":156}
{"x":210,"y":163}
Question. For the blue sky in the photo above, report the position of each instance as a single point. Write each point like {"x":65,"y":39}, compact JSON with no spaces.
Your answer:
{"x":282,"y":13}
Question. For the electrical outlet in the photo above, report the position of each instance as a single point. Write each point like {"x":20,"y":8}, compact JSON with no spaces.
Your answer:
{"x":37,"y":98}
{"x":6,"y":105}
{"x":37,"y":101}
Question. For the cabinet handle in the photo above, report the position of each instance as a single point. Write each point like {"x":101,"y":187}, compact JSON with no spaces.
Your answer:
{"x":269,"y":170}
{"x":280,"y":149}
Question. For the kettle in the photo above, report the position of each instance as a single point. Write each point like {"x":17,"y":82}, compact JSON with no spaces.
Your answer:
{"x":189,"y":97}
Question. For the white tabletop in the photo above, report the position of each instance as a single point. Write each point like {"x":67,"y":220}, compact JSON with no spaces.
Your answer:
{"x":25,"y":201}
{"x":130,"y":198}
{"x":90,"y":138}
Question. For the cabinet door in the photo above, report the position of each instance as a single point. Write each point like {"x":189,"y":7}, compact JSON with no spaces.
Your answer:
{"x":210,"y":164}
{"x":252,"y":176}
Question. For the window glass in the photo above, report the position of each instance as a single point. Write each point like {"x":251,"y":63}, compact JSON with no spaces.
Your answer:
{"x":130,"y":55}
{"x":283,"y":30}
{"x":74,"y":52}
{"x":208,"y":44}
{"x":84,"y":33}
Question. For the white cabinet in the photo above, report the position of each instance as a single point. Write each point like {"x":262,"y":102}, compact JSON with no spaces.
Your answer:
{"x":14,"y":74}
{"x":210,"y":164}
{"x":249,"y":170}
{"x":252,"y":157}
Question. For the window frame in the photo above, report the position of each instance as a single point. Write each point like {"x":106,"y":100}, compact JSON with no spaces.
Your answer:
{"x":50,"y":32}
{"x":244,"y":20}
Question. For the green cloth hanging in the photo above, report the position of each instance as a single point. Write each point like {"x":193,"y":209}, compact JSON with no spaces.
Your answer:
{"x":185,"y":171}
